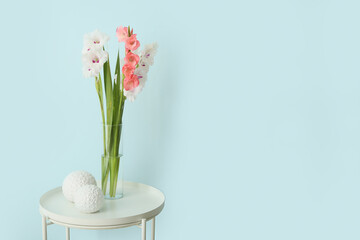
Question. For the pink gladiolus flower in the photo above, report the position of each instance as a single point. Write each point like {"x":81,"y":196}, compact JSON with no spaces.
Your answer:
{"x":131,"y":58}
{"x":132,"y":43}
{"x":122,"y":33}
{"x":128,"y":70}
{"x":131,"y":82}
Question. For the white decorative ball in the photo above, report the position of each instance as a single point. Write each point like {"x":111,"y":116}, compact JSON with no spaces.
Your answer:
{"x":74,"y":181}
{"x":89,"y":199}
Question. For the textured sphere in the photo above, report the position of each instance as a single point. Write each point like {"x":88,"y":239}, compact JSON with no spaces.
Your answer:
{"x":89,"y":199}
{"x":74,"y":181}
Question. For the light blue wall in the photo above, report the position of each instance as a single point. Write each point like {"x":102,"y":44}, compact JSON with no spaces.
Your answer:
{"x":249,"y":124}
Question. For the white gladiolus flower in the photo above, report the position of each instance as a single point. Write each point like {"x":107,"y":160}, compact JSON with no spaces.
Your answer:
{"x":93,"y":62}
{"x":89,"y":72}
{"x":143,"y":65}
{"x":141,"y":72}
{"x":148,"y":53}
{"x":94,"y":41}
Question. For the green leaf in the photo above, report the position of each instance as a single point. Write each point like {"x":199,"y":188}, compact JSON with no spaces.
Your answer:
{"x":117,"y":104}
{"x":116,"y":90}
{"x":108,"y":92}
{"x":99,"y":89}
{"x":117,"y":69}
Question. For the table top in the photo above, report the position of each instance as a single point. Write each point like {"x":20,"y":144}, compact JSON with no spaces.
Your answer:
{"x":140,"y":201}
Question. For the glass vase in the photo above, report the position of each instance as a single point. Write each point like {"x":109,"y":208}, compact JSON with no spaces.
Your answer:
{"x":112,"y":162}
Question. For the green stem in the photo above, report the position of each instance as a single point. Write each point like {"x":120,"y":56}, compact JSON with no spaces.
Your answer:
{"x":114,"y":172}
{"x":104,"y":173}
{"x":104,"y":132}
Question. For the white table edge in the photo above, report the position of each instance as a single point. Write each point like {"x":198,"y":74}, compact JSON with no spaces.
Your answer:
{"x":136,"y":220}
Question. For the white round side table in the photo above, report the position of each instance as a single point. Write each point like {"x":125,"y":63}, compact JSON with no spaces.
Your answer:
{"x":140,"y":204}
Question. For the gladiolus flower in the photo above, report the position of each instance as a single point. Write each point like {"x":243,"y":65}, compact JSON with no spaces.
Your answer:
{"x":146,"y":59}
{"x":132,"y":43}
{"x":147,"y":55}
{"x":122,"y":33}
{"x":94,"y":41}
{"x":128,"y":70}
{"x":131,"y":82}
{"x":131,"y":58}
{"x":93,"y":62}
{"x":132,"y":94}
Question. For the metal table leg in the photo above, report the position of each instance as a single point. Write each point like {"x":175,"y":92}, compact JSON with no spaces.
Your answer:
{"x":143,"y":229}
{"x":44,"y":228}
{"x":153,"y":229}
{"x":67,"y":233}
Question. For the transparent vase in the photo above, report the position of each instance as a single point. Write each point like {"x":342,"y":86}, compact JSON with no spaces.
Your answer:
{"x":112,"y":162}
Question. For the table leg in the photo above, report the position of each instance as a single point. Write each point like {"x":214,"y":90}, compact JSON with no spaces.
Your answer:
{"x":44,"y":228}
{"x":153,"y":229}
{"x":143,"y":229}
{"x":67,"y":233}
